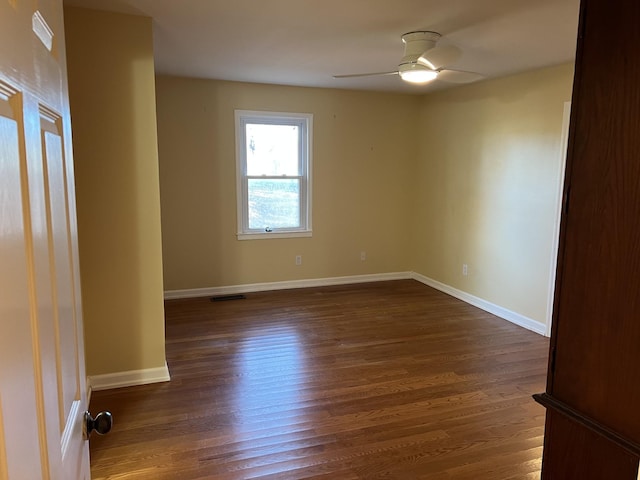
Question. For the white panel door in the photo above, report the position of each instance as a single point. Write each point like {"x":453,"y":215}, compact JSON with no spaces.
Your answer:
{"x":42,"y":378}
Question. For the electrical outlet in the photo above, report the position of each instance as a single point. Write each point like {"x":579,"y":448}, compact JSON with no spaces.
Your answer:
{"x":363,"y":256}
{"x":465,"y":269}
{"x":298,"y":259}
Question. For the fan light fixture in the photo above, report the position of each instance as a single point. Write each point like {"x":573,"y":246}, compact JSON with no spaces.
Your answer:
{"x":424,"y":61}
{"x":416,"y":73}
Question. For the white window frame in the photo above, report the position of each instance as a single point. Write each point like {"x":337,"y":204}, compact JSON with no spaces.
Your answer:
{"x":305,"y":123}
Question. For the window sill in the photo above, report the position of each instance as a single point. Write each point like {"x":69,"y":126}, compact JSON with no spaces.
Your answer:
{"x":265,"y":236}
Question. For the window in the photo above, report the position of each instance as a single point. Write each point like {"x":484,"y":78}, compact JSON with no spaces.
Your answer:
{"x":273,"y":156}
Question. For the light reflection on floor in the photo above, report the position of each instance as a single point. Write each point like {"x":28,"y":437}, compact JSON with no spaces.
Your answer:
{"x":270,"y":369}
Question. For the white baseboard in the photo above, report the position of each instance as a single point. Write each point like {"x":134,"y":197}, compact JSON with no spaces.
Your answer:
{"x":161,"y":374}
{"x":497,"y":310}
{"x":129,"y":378}
{"x":513,"y":317}
{"x":262,"y":287}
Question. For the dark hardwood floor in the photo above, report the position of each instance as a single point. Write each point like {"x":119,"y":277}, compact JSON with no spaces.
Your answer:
{"x":388,"y":380}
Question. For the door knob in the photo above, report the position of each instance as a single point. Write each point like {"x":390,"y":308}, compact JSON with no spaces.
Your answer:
{"x":101,"y":423}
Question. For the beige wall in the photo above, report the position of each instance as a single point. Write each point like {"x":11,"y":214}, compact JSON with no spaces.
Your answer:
{"x":468,"y":175}
{"x":111,"y":80}
{"x":364,"y":146}
{"x":488,"y":194}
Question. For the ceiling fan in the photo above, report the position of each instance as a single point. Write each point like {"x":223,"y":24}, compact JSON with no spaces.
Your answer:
{"x":424,"y":61}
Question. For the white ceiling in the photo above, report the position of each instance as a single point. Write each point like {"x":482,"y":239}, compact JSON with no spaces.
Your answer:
{"x":305,"y":42}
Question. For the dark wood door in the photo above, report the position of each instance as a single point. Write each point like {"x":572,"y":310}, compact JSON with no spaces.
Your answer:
{"x":593,"y":389}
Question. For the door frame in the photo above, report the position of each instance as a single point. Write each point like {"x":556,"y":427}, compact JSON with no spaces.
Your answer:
{"x":564,"y":142}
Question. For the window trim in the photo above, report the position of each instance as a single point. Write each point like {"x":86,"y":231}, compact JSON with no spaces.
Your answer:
{"x":305,"y":122}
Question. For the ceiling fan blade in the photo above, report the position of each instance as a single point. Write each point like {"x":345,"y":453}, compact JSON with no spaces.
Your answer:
{"x":458,"y":76}
{"x":439,"y":57}
{"x":376,"y":74}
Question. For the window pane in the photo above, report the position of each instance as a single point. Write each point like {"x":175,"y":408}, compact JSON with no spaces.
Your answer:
{"x":274,"y":203}
{"x":272,"y":149}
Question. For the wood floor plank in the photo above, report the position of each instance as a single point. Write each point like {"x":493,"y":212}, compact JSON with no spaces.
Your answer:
{"x":389,"y":380}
